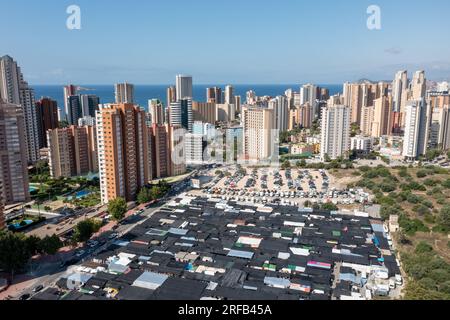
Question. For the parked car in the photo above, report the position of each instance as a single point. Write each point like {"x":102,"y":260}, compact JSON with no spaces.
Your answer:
{"x":25,"y":296}
{"x":38,"y":288}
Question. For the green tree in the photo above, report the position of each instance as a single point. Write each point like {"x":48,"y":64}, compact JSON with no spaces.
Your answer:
{"x":50,"y":245}
{"x":117,"y":208}
{"x":286,"y":165}
{"x":144,"y":196}
{"x":14,"y":252}
{"x":85,"y":229}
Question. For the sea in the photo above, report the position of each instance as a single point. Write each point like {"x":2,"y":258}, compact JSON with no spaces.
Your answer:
{"x":143,"y":93}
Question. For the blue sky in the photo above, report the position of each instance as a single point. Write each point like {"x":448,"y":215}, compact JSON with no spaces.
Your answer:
{"x":228,"y":41}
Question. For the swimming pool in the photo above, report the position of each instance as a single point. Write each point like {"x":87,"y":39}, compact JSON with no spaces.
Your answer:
{"x":80,"y":194}
{"x":18,"y":226}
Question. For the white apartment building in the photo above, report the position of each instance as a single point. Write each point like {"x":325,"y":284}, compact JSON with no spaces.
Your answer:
{"x":193,"y":145}
{"x":335,"y":135}
{"x":416,"y":136}
{"x":361,"y":143}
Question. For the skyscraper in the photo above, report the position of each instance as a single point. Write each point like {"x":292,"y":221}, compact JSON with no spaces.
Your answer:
{"x":13,"y":159}
{"x":124,"y":151}
{"x":160,"y":151}
{"x":14,"y":89}
{"x":415,"y":138}
{"x":124,"y":92}
{"x":183,"y":87}
{"x":229,"y":95}
{"x":418,"y":85}
{"x":237,"y":101}
{"x":47,"y":117}
{"x":156,"y":111}
{"x":171,"y":95}
{"x":335,"y":135}
{"x":381,"y":117}
{"x":89,"y":104}
{"x":258,"y":135}
{"x":74,"y":111}
{"x":279,"y":105}
{"x":181,"y":114}
{"x":176,"y":150}
{"x":69,"y":90}
{"x":444,"y":128}
{"x":399,"y":87}
{"x":308,"y":93}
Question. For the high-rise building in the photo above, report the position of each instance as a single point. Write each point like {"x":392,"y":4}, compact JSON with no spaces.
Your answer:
{"x":258,"y":135}
{"x":171,"y":95}
{"x":416,"y":126}
{"x":47,"y":117}
{"x":226,"y":112}
{"x":160,"y":151}
{"x":418,"y":85}
{"x":183,"y":87}
{"x":181,"y":114}
{"x":357,"y":96}
{"x":69,"y":90}
{"x":72,"y":151}
{"x":280,"y":108}
{"x":444,"y":128}
{"x":194,"y":145}
{"x":176,"y":150}
{"x":367,"y":117}
{"x":439,"y":132}
{"x":89,"y":104}
{"x":399,"y":87}
{"x":74,"y":111}
{"x":124,"y":92}
{"x":156,"y":109}
{"x":335,"y":135}
{"x":214,"y":95}
{"x":237,"y":101}
{"x":14,"y":89}
{"x":124,"y":151}
{"x":13,"y":156}
{"x":229,"y":95}
{"x":381,"y":117}
{"x":308,"y":94}
{"x":205,"y":112}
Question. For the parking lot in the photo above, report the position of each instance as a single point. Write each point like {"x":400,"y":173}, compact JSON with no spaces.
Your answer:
{"x":290,"y":187}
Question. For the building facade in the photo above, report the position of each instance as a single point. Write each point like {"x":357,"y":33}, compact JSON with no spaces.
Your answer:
{"x":13,"y":156}
{"x":124,"y":153}
{"x":335,"y":135}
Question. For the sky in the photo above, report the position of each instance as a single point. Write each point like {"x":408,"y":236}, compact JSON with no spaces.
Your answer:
{"x":227,"y":41}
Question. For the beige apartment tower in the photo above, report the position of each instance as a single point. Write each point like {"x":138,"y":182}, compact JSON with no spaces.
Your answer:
{"x":381,"y":117}
{"x":72,"y":151}
{"x":258,"y":127}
